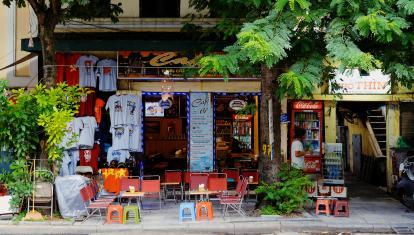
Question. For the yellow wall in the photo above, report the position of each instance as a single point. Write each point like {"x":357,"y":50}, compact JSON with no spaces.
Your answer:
{"x":358,"y":128}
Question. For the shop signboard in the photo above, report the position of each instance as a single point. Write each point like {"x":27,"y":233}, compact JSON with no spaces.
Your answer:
{"x":353,"y":82}
{"x":237,"y":104}
{"x":307,"y":104}
{"x":284,"y":118}
{"x":201,"y":132}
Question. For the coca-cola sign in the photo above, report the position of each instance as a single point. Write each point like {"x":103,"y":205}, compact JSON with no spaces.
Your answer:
{"x":307,"y":105}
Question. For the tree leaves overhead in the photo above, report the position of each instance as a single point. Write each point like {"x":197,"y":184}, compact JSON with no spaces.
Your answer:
{"x":407,"y":6}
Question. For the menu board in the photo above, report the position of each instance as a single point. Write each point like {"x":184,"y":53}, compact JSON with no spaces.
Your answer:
{"x":201,"y":132}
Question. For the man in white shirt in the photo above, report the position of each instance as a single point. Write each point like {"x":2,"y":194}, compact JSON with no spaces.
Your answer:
{"x":296,"y":149}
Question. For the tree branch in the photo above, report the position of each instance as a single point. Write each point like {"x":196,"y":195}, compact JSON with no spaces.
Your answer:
{"x":36,"y":6}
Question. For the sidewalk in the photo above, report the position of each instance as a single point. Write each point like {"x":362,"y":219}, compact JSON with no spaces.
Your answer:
{"x":374,"y":212}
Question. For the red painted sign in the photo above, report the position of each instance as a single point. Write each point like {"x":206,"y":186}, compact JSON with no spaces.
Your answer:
{"x":312,"y":164}
{"x":242,"y":117}
{"x":307,"y":105}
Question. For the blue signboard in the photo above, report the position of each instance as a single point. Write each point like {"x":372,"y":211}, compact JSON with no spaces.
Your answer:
{"x":201,"y":132}
{"x":284,"y":117}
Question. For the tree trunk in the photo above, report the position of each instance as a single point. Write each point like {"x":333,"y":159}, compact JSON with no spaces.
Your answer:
{"x":47,"y":39}
{"x":267,"y":166}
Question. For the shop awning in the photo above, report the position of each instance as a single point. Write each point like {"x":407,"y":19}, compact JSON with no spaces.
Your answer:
{"x":26,"y":58}
{"x":114,"y":44}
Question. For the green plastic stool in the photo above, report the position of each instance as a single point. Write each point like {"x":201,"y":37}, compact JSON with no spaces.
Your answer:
{"x":131,"y":209}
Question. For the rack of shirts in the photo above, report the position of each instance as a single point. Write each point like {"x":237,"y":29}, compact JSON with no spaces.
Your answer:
{"x":86,"y":70}
{"x":125,"y":113}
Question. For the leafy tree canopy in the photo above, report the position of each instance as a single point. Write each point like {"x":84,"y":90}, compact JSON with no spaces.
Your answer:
{"x":304,"y":38}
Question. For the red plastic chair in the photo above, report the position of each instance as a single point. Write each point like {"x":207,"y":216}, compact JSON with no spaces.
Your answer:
{"x":232,"y":175}
{"x":173,"y":176}
{"x":195,"y":180}
{"x":235,"y":202}
{"x":151,"y":186}
{"x":92,"y":207}
{"x":126,"y":182}
{"x":254,"y":173}
{"x":218,"y":185}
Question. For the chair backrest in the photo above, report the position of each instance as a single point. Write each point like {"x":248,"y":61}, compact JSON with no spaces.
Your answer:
{"x":232,"y":174}
{"x":151,"y":184}
{"x":217,"y":184}
{"x":44,"y":190}
{"x":243,"y":187}
{"x":217,"y":175}
{"x":84,"y":194}
{"x":251,"y":172}
{"x":198,"y":178}
{"x":90,"y":192}
{"x":187,"y":177}
{"x":173,"y":176}
{"x":126,"y":182}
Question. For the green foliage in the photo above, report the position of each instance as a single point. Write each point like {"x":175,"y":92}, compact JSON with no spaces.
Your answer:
{"x":249,"y":109}
{"x":288,"y":194}
{"x":407,"y":6}
{"x":25,"y":117}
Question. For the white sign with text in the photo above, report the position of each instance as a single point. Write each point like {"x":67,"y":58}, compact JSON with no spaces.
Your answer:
{"x":352,"y":82}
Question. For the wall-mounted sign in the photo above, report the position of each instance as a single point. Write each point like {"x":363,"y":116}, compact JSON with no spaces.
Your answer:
{"x":237,"y":104}
{"x":305,"y":104}
{"x":201,"y":132}
{"x":352,"y":82}
{"x":243,"y":117}
{"x":284,"y":118}
{"x":165,"y":104}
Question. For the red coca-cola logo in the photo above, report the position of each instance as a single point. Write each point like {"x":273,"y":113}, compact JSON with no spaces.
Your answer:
{"x":307,"y":105}
{"x":338,"y":189}
{"x":312,"y":165}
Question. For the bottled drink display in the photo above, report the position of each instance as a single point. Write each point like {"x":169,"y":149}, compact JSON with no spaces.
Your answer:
{"x":333,"y":165}
{"x":309,"y":121}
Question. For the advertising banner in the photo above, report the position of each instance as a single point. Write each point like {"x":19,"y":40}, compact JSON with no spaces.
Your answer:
{"x":353,"y":82}
{"x":201,"y":132}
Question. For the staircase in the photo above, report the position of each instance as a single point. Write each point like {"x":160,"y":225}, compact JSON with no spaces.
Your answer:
{"x":377,"y":127}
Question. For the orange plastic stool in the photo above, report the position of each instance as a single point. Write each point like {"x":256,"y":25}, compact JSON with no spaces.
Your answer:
{"x":341,"y":208}
{"x":325,"y":203}
{"x":207,"y":207}
{"x":110,"y":218}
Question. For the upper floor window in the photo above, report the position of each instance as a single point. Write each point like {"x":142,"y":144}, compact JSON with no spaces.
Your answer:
{"x":159,"y":8}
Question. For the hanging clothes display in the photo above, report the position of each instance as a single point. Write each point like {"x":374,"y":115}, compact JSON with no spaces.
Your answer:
{"x":107,"y":74}
{"x":117,"y":155}
{"x":87,"y":134}
{"x":69,"y":162}
{"x":60,"y":69}
{"x":86,"y":65}
{"x":99,"y":104}
{"x":71,"y":138}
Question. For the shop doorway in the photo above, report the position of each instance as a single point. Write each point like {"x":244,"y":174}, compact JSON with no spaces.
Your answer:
{"x":165,"y":133}
{"x":236,"y":131}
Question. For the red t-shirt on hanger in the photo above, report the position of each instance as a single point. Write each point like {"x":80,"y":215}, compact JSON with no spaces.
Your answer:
{"x":71,"y":71}
{"x":89,"y":157}
{"x":60,"y":70}
{"x":87,"y":106}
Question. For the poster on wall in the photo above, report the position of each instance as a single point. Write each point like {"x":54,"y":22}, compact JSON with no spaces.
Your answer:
{"x":201,"y":132}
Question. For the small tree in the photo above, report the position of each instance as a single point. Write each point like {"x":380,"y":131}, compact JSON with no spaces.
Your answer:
{"x":52,"y":12}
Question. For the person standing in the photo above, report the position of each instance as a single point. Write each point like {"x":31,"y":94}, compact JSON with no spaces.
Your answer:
{"x":297,"y":152}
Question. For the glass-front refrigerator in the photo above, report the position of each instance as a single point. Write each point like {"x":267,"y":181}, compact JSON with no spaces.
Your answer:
{"x":242,"y":131}
{"x":308,"y":115}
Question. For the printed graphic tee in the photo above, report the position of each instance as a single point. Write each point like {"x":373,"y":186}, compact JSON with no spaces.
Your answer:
{"x":135,"y":139}
{"x":107,"y":74}
{"x":120,"y":137}
{"x":89,"y":157}
{"x":118,"y":155}
{"x":86,"y":64}
{"x":133,"y":113}
{"x":71,"y":71}
{"x":71,"y":138}
{"x":117,"y":109}
{"x":87,"y":135}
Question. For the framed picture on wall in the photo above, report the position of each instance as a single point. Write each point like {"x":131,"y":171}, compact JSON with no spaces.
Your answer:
{"x":152,"y":127}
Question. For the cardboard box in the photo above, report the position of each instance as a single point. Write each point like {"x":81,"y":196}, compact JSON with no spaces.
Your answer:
{"x":313,"y":189}
{"x":324,"y":190}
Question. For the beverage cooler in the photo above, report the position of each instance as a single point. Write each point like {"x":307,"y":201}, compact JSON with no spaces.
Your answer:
{"x":242,"y":131}
{"x":308,"y":115}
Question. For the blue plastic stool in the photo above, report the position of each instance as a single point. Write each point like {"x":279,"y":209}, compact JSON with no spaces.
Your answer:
{"x":189,"y":206}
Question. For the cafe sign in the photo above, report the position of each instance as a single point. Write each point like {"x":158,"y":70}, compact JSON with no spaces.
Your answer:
{"x":353,"y":82}
{"x":237,"y":104}
{"x":307,"y":104}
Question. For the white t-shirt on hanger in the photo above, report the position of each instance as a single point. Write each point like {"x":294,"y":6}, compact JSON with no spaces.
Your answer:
{"x":87,"y":135}
{"x":86,"y":65}
{"x":135,"y":138}
{"x":134,"y":109}
{"x":118,"y":155}
{"x":71,"y":138}
{"x":107,"y":74}
{"x":117,"y":110}
{"x":120,"y":137}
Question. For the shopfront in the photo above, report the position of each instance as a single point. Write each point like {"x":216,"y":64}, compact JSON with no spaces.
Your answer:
{"x":151,"y":111}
